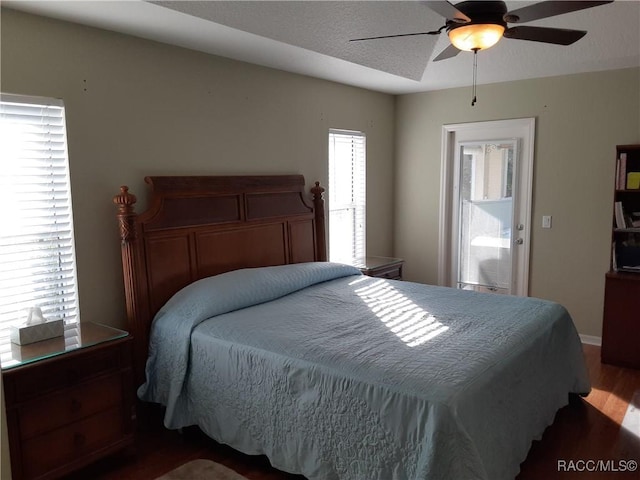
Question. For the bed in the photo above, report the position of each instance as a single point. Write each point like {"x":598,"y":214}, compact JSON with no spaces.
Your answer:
{"x":242,"y":328}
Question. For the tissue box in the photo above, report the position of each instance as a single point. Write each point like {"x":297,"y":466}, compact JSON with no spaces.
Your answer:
{"x":36,"y":333}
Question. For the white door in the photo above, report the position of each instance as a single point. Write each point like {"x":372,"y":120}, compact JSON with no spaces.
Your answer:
{"x":486,"y":206}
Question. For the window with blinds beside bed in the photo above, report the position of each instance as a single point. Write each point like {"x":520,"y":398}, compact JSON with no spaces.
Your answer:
{"x":37,"y":255}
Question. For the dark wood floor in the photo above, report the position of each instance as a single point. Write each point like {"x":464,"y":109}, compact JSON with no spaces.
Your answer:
{"x":586,"y":429}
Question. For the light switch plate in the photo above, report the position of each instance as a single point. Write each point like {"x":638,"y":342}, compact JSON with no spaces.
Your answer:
{"x":546,"y":221}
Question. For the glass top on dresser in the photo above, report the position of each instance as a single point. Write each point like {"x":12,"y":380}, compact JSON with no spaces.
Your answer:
{"x":370,"y":262}
{"x":76,"y":336}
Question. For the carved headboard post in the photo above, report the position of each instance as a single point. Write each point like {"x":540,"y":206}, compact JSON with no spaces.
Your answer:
{"x":318,"y":206}
{"x":126,"y":214}
{"x":128,"y":238}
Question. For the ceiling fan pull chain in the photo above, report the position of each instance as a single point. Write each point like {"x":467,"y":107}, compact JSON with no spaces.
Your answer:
{"x":475,"y":74}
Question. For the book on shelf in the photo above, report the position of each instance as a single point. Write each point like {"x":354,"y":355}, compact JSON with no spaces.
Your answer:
{"x":621,"y":172}
{"x":619,"y":214}
{"x":630,"y":268}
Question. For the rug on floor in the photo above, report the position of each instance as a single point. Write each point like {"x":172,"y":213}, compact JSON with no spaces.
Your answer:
{"x":201,"y":469}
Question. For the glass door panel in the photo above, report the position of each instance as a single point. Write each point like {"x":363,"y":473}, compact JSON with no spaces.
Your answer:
{"x":485,"y":216}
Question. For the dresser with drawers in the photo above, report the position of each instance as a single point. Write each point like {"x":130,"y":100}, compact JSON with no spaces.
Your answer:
{"x":69,"y":401}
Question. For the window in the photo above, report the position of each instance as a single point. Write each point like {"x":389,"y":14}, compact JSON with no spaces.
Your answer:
{"x":37,"y":256}
{"x":347,"y":196}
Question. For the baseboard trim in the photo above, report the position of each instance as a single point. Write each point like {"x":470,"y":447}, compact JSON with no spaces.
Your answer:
{"x":591,"y":340}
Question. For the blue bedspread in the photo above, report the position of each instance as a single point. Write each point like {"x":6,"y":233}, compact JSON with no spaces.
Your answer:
{"x":336,"y":375}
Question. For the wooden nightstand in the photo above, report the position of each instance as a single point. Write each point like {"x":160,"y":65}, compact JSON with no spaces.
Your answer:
{"x":382,"y":267}
{"x":69,"y":400}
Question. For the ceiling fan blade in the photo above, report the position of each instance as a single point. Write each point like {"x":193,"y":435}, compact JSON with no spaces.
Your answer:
{"x":548,"y":9}
{"x":449,"y":52}
{"x":448,"y":11}
{"x":436,"y":32}
{"x":558,"y":36}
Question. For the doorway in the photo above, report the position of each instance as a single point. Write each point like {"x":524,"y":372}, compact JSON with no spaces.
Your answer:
{"x":485,"y":215}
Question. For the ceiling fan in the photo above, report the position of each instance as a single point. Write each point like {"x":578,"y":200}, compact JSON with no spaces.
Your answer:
{"x":477,"y":24}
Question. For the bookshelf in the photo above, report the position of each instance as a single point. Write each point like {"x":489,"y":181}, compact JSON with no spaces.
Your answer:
{"x":621,"y":320}
{"x":626,"y":210}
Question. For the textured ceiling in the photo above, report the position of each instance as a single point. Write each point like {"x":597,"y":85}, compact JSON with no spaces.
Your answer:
{"x":312,"y":38}
{"x":326,"y":27}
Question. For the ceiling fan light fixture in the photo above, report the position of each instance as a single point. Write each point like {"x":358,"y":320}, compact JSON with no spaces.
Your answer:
{"x":478,"y":36}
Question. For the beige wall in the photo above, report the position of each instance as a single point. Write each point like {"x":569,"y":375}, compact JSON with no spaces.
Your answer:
{"x":579,"y":121}
{"x":136,"y":108}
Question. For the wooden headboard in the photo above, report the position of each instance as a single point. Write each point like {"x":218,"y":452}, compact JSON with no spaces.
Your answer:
{"x":198,"y":226}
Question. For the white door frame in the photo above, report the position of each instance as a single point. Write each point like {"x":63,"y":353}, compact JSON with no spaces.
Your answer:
{"x":524,"y":130}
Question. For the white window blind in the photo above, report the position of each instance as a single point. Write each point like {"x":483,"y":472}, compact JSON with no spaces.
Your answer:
{"x":347,"y":196}
{"x":37,"y":256}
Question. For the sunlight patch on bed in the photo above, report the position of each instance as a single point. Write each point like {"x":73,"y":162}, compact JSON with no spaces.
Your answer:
{"x":408,"y":321}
